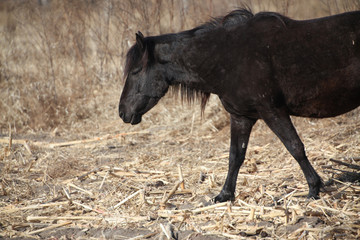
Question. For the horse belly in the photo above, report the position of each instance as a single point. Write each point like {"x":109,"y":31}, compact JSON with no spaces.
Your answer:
{"x":325,"y":98}
{"x":325,"y":107}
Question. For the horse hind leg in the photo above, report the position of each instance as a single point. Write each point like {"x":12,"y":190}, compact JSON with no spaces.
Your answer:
{"x":280,"y":123}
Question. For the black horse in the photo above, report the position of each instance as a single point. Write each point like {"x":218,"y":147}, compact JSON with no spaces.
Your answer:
{"x":264,"y":66}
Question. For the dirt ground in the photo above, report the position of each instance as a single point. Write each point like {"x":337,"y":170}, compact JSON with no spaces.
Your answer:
{"x":109,"y":180}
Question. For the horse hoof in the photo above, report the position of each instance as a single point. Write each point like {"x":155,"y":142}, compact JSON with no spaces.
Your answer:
{"x":314,"y":193}
{"x":224,"y":196}
{"x":315,"y":190}
{"x":313,"y":196}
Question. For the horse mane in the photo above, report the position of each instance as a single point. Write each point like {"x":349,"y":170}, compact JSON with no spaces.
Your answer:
{"x":137,"y":56}
{"x":133,"y":56}
{"x":190,"y":95}
{"x":232,"y":19}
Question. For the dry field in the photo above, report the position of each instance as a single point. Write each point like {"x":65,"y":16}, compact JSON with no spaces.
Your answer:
{"x":71,"y":169}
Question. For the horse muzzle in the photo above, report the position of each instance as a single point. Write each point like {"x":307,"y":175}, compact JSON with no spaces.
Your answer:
{"x":133,"y":118}
{"x":134,"y":114}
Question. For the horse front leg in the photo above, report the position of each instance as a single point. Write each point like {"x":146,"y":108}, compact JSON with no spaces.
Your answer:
{"x":240,"y":132}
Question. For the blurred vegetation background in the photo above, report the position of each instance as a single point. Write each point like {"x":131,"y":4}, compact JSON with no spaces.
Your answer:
{"x":61,"y":61}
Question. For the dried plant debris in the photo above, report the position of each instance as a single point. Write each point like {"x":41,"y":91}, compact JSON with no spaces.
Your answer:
{"x":89,"y":189}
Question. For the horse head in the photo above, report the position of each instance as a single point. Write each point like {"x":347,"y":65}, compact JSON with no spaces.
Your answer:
{"x":145,"y":82}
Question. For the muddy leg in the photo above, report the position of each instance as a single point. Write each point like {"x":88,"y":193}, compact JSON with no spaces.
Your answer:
{"x":240,"y":132}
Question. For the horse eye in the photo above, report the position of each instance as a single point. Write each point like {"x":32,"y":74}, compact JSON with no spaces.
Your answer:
{"x":163,"y":61}
{"x":136,"y":70}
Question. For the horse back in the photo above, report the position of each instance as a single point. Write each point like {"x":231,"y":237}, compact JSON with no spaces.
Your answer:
{"x":314,"y":64}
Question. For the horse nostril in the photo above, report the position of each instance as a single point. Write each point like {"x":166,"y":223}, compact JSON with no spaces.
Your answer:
{"x":121,"y":114}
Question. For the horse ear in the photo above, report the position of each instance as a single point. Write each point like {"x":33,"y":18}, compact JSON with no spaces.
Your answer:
{"x":140,"y":40}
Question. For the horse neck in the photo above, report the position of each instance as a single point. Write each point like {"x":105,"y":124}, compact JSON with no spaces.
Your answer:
{"x":186,"y":61}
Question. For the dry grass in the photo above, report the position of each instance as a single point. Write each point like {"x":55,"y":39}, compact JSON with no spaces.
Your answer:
{"x":120,"y":183}
{"x":62,"y":57}
{"x":57,"y":75}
